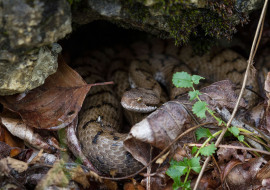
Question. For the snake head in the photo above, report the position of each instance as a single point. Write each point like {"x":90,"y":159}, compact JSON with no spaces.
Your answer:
{"x":140,"y":100}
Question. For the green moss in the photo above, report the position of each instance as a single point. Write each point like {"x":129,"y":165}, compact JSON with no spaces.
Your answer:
{"x":136,"y":10}
{"x":215,"y":18}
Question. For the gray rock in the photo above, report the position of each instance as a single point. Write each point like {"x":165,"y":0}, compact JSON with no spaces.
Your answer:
{"x":26,"y":28}
{"x":170,"y":19}
{"x":23,"y":73}
{"x":29,"y":24}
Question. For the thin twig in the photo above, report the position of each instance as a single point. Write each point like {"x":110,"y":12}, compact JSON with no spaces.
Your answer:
{"x":236,"y":147}
{"x":250,"y":60}
{"x":160,"y":154}
{"x":148,"y":179}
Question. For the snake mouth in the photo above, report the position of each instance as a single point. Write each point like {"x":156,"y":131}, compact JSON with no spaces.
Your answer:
{"x":138,"y":107}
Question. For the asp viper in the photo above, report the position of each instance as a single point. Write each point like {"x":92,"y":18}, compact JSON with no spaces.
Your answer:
{"x":143,"y":67}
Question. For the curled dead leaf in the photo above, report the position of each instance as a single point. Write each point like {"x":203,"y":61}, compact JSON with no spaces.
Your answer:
{"x":18,"y":128}
{"x":12,"y":163}
{"x":264,"y":173}
{"x":243,"y":176}
{"x":162,"y":126}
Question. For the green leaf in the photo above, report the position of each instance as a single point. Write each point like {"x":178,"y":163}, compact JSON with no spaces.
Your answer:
{"x":208,"y":150}
{"x":195,"y":164}
{"x":193,"y":94}
{"x":182,"y":79}
{"x":219,"y":121}
{"x":202,"y":132}
{"x":199,"y":109}
{"x":241,"y":138}
{"x":176,"y":170}
{"x":196,"y":79}
{"x":186,"y":185}
{"x":194,"y":149}
{"x":234,"y":130}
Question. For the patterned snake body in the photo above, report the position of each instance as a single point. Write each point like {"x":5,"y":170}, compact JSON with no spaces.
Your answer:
{"x":100,"y":117}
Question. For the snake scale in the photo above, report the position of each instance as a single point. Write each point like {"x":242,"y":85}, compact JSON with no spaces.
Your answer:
{"x":141,"y":72}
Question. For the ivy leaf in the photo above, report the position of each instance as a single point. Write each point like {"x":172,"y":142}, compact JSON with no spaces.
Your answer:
{"x":194,"y":164}
{"x":241,"y":138}
{"x":182,"y":79}
{"x":202,"y":132}
{"x":196,"y":79}
{"x":176,"y":170}
{"x":199,"y":109}
{"x":208,"y":150}
{"x":234,"y":130}
{"x":193,"y":94}
{"x":194,"y":149}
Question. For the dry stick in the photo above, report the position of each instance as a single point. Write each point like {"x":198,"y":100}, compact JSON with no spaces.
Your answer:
{"x":237,"y":147}
{"x":251,"y":56}
{"x":148,"y":179}
{"x":160,"y":154}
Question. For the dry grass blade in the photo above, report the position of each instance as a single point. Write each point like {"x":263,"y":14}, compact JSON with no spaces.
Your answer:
{"x":254,"y":47}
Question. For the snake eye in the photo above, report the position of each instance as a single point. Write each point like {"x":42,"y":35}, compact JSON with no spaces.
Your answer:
{"x":139,"y":99}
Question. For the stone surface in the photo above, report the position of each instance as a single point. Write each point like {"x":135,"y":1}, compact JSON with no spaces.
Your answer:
{"x":170,"y":19}
{"x":29,"y":71}
{"x":26,"y":29}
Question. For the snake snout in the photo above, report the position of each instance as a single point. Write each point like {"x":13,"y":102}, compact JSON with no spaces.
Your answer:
{"x":140,"y":100}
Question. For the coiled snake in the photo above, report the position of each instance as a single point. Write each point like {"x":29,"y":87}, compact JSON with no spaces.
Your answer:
{"x":148,"y":69}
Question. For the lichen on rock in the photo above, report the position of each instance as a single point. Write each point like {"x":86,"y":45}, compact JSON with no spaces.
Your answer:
{"x":27,"y":31}
{"x":19,"y":74}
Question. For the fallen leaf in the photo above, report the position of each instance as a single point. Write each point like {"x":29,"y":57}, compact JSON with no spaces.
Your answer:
{"x":110,"y":185}
{"x":229,"y":166}
{"x":55,"y":177}
{"x":8,"y":138}
{"x":12,"y":163}
{"x":264,"y":173}
{"x":19,"y":129}
{"x":162,"y":126}
{"x":243,"y":176}
{"x":132,"y":186}
{"x":78,"y":175}
{"x":227,"y":154}
{"x":207,"y":181}
{"x":54,"y":104}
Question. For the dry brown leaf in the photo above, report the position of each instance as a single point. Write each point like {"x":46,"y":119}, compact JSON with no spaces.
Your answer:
{"x":264,"y":173}
{"x":54,"y":104}
{"x":243,"y":176}
{"x":110,"y":185}
{"x":158,"y":180}
{"x":4,"y":150}
{"x":162,"y":126}
{"x":8,"y":138}
{"x":132,"y":186}
{"x":54,"y":177}
{"x":78,"y":175}
{"x":12,"y":163}
{"x":207,"y":182}
{"x":18,"y":128}
{"x":229,"y":166}
{"x":226,"y":154}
